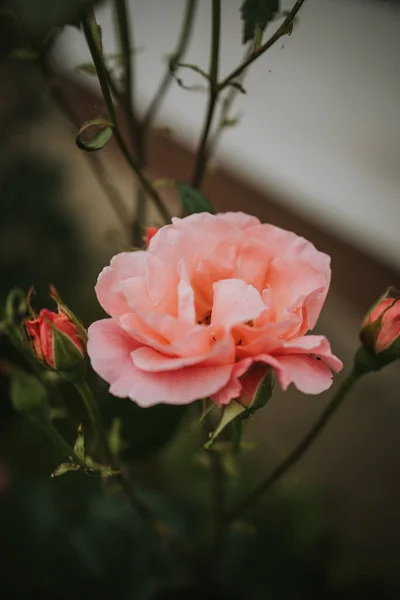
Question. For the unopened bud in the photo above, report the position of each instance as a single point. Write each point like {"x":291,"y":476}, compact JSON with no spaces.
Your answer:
{"x":380,"y":332}
{"x":55,"y":340}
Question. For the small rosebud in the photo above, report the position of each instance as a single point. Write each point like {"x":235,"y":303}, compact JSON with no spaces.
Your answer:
{"x":151,"y":232}
{"x":385,"y":318}
{"x":380,"y":334}
{"x":55,"y":340}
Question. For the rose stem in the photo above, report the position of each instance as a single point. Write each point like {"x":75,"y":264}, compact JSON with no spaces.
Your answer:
{"x":97,"y":426}
{"x":215,"y":87}
{"x":201,"y":158}
{"x":298,"y":451}
{"x":87,"y":24}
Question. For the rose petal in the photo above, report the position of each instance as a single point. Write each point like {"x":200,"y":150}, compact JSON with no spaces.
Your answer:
{"x":252,"y":265}
{"x":173,"y":387}
{"x":123,"y":266}
{"x":109,"y":348}
{"x":239,"y":219}
{"x":186,"y":306}
{"x":222,"y":351}
{"x":233,"y":388}
{"x":308,"y":374}
{"x":317,"y":345}
{"x":235,"y":302}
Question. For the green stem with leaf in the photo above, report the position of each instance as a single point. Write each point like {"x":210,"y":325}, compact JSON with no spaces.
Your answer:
{"x":62,"y":445}
{"x":100,"y":435}
{"x":216,"y":87}
{"x":89,"y":25}
{"x":298,"y":452}
{"x":100,"y":440}
{"x":284,"y":29}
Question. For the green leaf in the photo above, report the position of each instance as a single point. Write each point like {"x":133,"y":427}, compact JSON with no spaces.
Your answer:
{"x":15,"y":306}
{"x":256,"y":14}
{"x":87,"y":68}
{"x":115,"y":441}
{"x":192,"y":199}
{"x":94,"y":135}
{"x":24,"y":54}
{"x":29,"y":396}
{"x":58,"y":413}
{"x":258,"y":383}
{"x":229,"y":413}
{"x":108,"y":472}
{"x":79,"y":447}
{"x":64,"y":468}
{"x":230,"y":122}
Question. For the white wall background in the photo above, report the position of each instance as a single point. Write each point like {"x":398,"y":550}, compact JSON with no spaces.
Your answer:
{"x":321,"y":117}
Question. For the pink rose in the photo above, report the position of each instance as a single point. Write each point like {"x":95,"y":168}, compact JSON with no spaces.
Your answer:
{"x":388,"y":330}
{"x":210,"y":296}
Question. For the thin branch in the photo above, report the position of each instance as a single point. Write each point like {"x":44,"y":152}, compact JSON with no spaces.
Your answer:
{"x":217,"y":500}
{"x":284,"y":29}
{"x":226,"y":107}
{"x":87,"y":24}
{"x":201,"y":158}
{"x":128,"y":102}
{"x":125,"y":37}
{"x":183,"y":40}
{"x":298,"y":451}
{"x":98,"y":431}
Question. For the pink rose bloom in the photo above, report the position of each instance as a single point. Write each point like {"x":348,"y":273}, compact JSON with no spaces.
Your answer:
{"x":212,"y":295}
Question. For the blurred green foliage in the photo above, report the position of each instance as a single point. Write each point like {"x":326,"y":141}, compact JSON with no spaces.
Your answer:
{"x":42,"y":15}
{"x":67,"y":538}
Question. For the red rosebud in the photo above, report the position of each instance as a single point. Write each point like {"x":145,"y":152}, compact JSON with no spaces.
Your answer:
{"x":55,"y":340}
{"x":381,"y":328}
{"x":151,"y":232}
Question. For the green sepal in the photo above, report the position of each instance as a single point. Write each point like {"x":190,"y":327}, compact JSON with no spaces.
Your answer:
{"x":229,"y":413}
{"x":79,"y":446}
{"x":69,"y":360}
{"x":263,"y":390}
{"x":243,"y":407}
{"x":64,"y":468}
{"x":63,"y":308}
